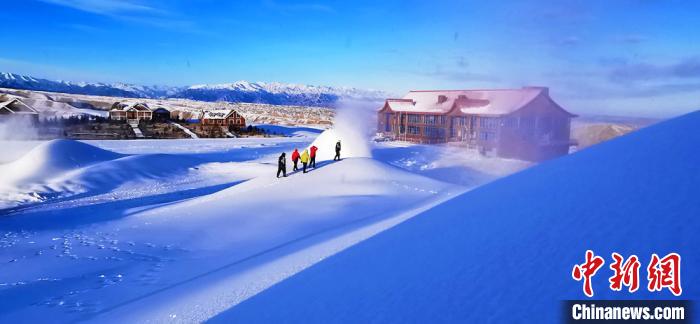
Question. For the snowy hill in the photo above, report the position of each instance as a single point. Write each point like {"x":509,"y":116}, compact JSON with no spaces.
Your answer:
{"x":241,"y":91}
{"x":184,"y":229}
{"x":505,"y":251}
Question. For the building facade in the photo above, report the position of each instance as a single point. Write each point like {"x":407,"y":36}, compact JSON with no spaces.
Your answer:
{"x":130,"y":112}
{"x":227,"y":117}
{"x":512,"y":123}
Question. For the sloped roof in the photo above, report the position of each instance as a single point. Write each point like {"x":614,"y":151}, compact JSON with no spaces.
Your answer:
{"x":16,"y":106}
{"x":161,"y":108}
{"x":478,"y":102}
{"x":217,"y":114}
{"x":139,"y":106}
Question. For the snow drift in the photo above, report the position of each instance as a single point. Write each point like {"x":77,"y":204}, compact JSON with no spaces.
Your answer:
{"x":51,"y":158}
{"x":505,"y":251}
{"x":62,"y":168}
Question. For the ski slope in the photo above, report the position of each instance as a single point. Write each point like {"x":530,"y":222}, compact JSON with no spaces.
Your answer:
{"x":504,"y":252}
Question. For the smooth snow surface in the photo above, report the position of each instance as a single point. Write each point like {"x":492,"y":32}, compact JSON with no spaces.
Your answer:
{"x":181,"y":230}
{"x":504,"y":252}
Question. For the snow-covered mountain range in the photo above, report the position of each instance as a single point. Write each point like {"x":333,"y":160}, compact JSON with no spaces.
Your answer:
{"x":240,"y":91}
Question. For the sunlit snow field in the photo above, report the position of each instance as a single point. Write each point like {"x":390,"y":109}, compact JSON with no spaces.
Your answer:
{"x":185,"y":229}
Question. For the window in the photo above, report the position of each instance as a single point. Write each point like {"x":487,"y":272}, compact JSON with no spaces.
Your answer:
{"x":488,"y":123}
{"x":414,"y":119}
{"x":387,"y":123}
{"x":487,"y":136}
{"x":527,"y":122}
{"x":434,"y":132}
{"x":414,"y":130}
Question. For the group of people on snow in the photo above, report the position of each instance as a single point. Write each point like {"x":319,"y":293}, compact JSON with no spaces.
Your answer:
{"x":307,"y":159}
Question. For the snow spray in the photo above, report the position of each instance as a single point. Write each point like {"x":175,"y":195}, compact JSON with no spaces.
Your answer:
{"x":352,"y":126}
{"x":18,"y":129}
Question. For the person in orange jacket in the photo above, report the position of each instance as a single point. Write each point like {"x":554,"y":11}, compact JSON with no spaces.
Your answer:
{"x":313,"y":149}
{"x":305,"y":159}
{"x":295,"y":158}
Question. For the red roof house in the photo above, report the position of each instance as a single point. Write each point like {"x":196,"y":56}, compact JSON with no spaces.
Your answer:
{"x":514,"y":123}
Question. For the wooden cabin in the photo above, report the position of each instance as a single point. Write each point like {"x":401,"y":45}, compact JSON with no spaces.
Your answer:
{"x":130,"y":112}
{"x":512,"y":123}
{"x":15,"y":108}
{"x":227,"y":117}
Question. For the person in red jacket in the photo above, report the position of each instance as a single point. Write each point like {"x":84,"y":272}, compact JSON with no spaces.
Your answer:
{"x":295,"y":158}
{"x":313,"y":156}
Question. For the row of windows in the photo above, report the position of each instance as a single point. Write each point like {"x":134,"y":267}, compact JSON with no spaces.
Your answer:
{"x":487,"y":136}
{"x":225,"y":121}
{"x":434,"y":132}
{"x":427,"y":119}
{"x":488,"y":123}
{"x":427,"y":131}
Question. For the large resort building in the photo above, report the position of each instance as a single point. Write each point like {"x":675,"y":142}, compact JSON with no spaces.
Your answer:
{"x":513,"y":123}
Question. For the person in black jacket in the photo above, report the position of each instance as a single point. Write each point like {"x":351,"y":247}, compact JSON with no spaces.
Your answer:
{"x":337,"y":151}
{"x":282,"y":165}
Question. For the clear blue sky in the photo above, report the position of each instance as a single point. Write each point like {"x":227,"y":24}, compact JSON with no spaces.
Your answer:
{"x":639,"y":57}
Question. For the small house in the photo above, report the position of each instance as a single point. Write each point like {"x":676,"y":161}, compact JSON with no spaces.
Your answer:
{"x":16,"y":108}
{"x":227,"y":117}
{"x":130,"y":112}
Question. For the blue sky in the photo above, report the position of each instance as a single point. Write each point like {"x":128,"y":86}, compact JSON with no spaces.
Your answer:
{"x":625,"y":57}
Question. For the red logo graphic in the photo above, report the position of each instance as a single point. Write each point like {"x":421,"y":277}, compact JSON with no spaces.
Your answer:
{"x":587,"y":270}
{"x":626,"y":273}
{"x":665,"y":273}
{"x":662,"y":272}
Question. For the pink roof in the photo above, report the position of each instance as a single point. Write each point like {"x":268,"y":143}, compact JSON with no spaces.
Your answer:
{"x":478,"y":102}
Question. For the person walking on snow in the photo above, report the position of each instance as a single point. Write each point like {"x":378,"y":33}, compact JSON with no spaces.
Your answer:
{"x":282,"y":165}
{"x":305,"y":159}
{"x":312,"y":164}
{"x":337,"y":151}
{"x":295,"y":159}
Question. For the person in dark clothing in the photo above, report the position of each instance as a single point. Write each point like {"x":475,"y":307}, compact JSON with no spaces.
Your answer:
{"x":312,"y":163}
{"x":337,"y":152}
{"x":295,"y":159}
{"x":282,"y":165}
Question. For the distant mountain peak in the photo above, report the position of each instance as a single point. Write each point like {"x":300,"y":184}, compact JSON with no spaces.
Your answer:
{"x":239,"y":91}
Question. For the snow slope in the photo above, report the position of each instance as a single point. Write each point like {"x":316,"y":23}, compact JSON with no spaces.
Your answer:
{"x":272,"y":219}
{"x":504,"y":252}
{"x":184,"y":229}
{"x":65,"y":168}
